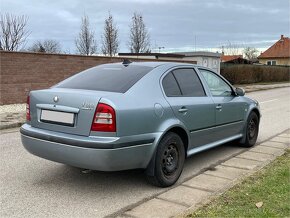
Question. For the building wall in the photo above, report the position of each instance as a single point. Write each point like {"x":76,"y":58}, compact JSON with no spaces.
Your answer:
{"x":279,"y":61}
{"x":21,"y":72}
{"x":210,"y":62}
{"x":206,"y":61}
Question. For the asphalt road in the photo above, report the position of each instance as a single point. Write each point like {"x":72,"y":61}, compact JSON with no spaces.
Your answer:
{"x":34,"y":187}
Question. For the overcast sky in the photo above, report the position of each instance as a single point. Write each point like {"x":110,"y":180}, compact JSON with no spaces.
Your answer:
{"x":177,"y":25}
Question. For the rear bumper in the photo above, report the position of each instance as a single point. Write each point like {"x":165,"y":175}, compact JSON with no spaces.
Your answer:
{"x":100,"y":153}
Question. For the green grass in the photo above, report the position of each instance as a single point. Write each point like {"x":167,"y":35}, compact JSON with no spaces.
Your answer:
{"x":270,"y":185}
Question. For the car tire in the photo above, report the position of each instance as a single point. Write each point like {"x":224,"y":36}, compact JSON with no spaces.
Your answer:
{"x":169,"y":161}
{"x":252,"y":130}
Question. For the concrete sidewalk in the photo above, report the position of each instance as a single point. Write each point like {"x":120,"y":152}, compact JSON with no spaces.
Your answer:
{"x":14,"y":115}
{"x":196,"y":191}
{"x":260,"y":87}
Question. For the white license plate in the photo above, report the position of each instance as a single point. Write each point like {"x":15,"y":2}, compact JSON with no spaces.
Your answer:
{"x":57,"y":117}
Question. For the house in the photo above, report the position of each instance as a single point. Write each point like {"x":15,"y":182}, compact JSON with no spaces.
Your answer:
{"x":277,"y":54}
{"x":207,"y":59}
{"x":234,"y":59}
{"x":153,"y":56}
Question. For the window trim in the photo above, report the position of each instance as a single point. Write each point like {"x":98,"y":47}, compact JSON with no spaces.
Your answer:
{"x":180,"y":68}
{"x":219,"y":76}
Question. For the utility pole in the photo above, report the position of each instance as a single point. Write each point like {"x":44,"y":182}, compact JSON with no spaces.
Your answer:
{"x":194,"y":42}
{"x":159,"y":48}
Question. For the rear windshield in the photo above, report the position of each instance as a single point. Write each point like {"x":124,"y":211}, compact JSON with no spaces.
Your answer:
{"x":109,"y":77}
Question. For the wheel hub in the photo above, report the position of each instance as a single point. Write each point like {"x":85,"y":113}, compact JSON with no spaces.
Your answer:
{"x":252,"y":128}
{"x":170,"y":159}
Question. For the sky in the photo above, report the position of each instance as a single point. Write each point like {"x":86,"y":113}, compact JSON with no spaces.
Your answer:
{"x":176,"y":25}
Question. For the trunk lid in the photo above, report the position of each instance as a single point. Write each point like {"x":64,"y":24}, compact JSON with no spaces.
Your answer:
{"x":64,"y":110}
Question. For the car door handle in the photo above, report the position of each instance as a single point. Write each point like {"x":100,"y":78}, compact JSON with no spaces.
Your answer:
{"x":218,"y":107}
{"x":183,"y":110}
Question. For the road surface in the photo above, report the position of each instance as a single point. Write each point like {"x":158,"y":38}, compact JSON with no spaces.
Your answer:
{"x":34,"y":187}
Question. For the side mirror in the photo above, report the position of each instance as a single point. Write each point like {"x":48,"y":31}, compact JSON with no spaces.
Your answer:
{"x":240,"y":91}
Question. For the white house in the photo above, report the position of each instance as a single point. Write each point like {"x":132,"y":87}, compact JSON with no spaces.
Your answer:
{"x":207,"y":59}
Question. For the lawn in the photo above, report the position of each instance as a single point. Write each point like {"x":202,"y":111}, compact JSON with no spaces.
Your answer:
{"x":270,"y":186}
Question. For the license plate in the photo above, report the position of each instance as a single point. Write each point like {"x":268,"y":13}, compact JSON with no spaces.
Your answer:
{"x":57,"y":117}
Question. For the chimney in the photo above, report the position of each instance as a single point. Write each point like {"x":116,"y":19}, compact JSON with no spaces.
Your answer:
{"x":282,"y":37}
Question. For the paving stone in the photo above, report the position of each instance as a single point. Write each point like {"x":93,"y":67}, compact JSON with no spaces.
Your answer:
{"x":184,"y":195}
{"x":242,"y":163}
{"x":125,"y":216}
{"x":227,"y":172}
{"x":208,"y":182}
{"x":288,"y":131}
{"x":285,"y":135}
{"x":268,"y":150}
{"x":256,"y":156}
{"x":156,"y":208}
{"x":274,"y":145}
{"x":281,"y":139}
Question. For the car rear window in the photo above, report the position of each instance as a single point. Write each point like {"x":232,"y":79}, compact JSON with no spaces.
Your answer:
{"x":109,"y":77}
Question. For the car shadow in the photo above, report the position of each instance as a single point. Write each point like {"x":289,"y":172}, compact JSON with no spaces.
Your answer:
{"x":133,"y":179}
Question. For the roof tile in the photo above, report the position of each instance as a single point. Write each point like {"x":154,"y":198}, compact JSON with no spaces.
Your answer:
{"x":281,"y":49}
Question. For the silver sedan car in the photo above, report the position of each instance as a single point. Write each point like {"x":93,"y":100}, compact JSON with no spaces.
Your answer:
{"x":148,"y":115}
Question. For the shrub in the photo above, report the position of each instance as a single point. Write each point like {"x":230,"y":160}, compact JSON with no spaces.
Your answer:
{"x":246,"y":73}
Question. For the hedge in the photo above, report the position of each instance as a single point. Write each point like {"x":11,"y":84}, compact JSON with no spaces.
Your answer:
{"x":247,"y":73}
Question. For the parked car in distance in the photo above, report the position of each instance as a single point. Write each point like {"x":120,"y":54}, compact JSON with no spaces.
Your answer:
{"x":148,"y":115}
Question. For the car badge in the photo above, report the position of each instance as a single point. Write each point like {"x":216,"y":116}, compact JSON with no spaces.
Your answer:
{"x":88,"y":106}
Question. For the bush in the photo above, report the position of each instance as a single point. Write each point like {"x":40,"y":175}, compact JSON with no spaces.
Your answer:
{"x":243,"y":73}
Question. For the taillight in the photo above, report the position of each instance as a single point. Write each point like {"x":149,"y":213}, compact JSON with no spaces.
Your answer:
{"x":104,"y":119}
{"x":28,"y":118}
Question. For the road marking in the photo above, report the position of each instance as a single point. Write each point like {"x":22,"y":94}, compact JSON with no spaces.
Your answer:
{"x":269,"y":101}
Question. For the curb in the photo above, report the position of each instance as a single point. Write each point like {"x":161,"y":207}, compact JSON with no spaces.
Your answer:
{"x":249,"y":90}
{"x":11,"y":125}
{"x":179,"y":201}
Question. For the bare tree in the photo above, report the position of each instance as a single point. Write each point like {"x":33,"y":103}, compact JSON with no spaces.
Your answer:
{"x":85,"y":42}
{"x":139,"y":37}
{"x":13,"y":33}
{"x":231,"y":48}
{"x":250,"y":53}
{"x":110,"y":43}
{"x":48,"y":46}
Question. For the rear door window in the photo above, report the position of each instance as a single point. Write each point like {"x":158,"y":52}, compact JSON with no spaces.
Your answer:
{"x":109,"y":77}
{"x":189,"y":82}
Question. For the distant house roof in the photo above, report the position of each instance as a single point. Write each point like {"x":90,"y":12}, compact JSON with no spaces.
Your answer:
{"x":235,"y":59}
{"x":226,"y":58}
{"x":281,"y":49}
{"x":200,"y":53}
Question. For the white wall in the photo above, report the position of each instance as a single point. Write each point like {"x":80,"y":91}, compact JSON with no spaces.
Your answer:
{"x":210,"y":62}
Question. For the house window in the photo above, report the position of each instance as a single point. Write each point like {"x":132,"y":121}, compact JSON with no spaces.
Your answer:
{"x":204,"y":62}
{"x":271,"y":62}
